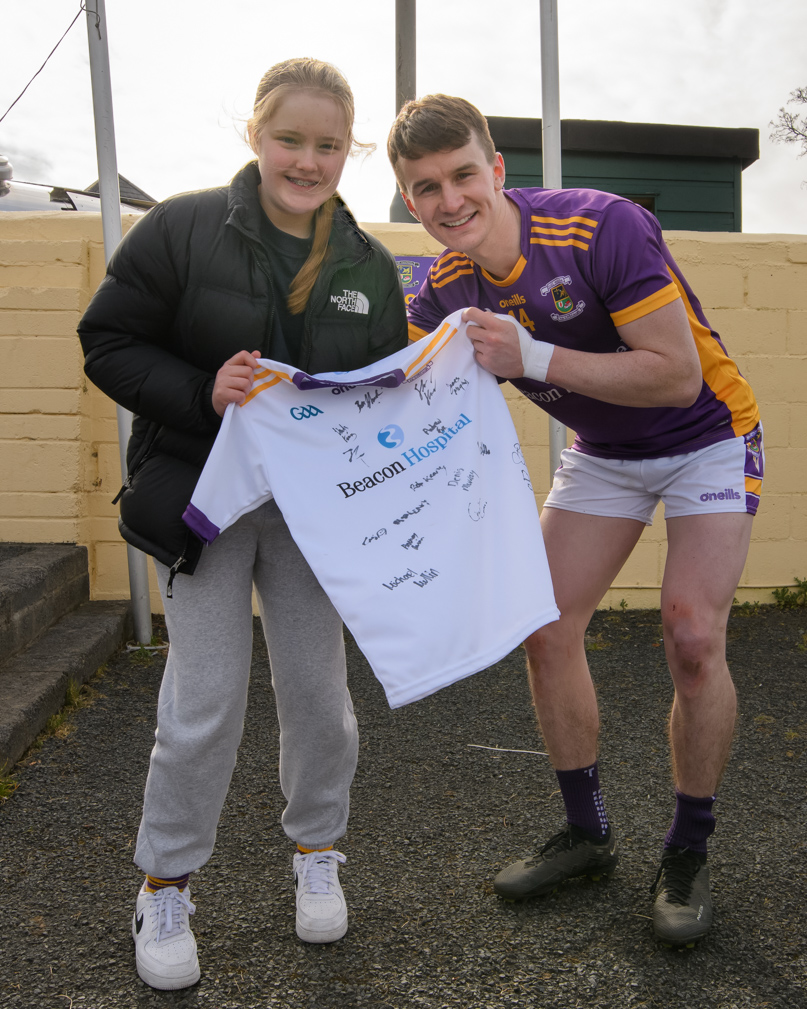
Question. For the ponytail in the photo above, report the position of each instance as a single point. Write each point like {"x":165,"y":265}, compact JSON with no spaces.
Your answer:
{"x":303,"y":283}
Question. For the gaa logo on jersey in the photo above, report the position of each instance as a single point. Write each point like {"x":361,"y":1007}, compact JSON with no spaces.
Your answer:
{"x":391,"y":436}
{"x":304,"y":412}
{"x":560,"y":296}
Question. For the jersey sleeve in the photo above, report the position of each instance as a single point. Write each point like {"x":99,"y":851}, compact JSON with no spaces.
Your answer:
{"x":629,"y":263}
{"x":429,"y":307}
{"x":234,"y":480}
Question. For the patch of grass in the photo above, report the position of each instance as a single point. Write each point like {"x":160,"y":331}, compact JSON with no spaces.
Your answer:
{"x":8,"y":786}
{"x":745,"y":609}
{"x":764,"y":723}
{"x":595,"y":643}
{"x":76,"y":696}
{"x":788,"y":598}
{"x":141,"y":656}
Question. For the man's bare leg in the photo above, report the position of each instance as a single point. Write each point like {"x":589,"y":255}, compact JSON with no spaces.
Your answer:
{"x":585,"y":553}
{"x":705,"y":558}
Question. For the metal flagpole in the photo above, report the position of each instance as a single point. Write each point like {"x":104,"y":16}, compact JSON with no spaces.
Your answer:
{"x":111,"y":225}
{"x":405,"y":69}
{"x":550,"y":148}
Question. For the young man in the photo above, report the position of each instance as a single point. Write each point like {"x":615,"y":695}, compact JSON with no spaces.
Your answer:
{"x":614,"y":344}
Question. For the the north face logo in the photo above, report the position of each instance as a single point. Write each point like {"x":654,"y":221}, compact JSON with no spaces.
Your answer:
{"x":352,"y":301}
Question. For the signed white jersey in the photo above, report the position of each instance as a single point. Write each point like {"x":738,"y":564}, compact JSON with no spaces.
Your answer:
{"x":404,"y":486}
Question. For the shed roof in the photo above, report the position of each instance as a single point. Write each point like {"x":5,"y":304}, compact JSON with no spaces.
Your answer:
{"x":612,"y":137}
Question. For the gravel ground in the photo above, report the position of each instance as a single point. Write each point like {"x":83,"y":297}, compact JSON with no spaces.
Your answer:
{"x":433,"y":819}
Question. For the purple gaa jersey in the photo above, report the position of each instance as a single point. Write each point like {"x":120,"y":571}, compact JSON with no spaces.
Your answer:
{"x":591,"y":262}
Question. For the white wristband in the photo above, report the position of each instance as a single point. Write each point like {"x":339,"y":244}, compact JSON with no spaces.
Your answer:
{"x":535,"y":354}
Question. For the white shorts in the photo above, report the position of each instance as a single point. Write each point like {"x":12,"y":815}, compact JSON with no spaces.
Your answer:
{"x":724,"y":477}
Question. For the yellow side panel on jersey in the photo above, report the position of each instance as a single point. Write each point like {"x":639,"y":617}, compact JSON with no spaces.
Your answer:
{"x":721,"y":374}
{"x":416,"y":333}
{"x":665,"y":296}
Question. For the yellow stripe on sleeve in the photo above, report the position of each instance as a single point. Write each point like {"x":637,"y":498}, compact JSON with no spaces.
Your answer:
{"x":559,"y":233}
{"x":565,"y":220}
{"x":453,"y":276}
{"x":256,"y":389}
{"x":441,"y":338}
{"x":666,"y":296}
{"x":445,"y":264}
{"x":567,"y":241}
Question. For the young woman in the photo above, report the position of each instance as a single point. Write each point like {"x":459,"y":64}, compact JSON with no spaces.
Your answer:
{"x":199,"y":288}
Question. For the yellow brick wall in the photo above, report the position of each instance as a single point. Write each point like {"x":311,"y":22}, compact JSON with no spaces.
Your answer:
{"x":59,"y":458}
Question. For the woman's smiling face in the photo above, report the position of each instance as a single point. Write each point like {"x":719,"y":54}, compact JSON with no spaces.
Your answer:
{"x":301,"y":149}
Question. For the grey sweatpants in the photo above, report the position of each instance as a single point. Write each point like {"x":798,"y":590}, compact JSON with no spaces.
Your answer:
{"x":203,"y":697}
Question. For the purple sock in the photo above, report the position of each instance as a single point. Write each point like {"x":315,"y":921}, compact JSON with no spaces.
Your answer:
{"x":583,"y":800}
{"x":692,"y":824}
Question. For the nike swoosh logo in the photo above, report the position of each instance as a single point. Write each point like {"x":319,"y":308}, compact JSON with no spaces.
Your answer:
{"x":138,"y":922}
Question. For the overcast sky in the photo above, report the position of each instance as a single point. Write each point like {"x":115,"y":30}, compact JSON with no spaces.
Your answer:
{"x":184,"y":74}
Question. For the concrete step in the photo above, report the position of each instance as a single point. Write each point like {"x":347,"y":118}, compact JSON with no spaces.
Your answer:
{"x":39,"y":583}
{"x":33,"y":684}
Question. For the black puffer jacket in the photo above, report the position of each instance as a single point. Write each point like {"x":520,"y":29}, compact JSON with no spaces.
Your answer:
{"x":189,"y":287}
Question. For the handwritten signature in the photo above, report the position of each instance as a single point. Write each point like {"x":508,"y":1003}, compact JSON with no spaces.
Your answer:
{"x":477,"y":511}
{"x":368,"y":399}
{"x":410,"y":513}
{"x":426,"y":389}
{"x":344,"y":432}
{"x":413,"y":543}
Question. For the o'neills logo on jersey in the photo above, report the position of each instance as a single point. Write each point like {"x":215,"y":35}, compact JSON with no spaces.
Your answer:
{"x":351,"y":301}
{"x":729,"y":494}
{"x":513,"y":302}
{"x":368,"y":482}
{"x":414,"y":455}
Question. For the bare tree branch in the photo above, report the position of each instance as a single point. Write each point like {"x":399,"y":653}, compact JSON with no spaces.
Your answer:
{"x":790,"y":127}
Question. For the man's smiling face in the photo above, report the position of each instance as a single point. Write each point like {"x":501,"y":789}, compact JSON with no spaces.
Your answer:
{"x":456,"y":195}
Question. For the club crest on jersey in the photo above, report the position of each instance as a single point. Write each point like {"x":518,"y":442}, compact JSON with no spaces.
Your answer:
{"x":564,"y":303}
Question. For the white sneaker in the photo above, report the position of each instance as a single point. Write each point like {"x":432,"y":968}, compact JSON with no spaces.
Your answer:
{"x":165,"y":946}
{"x":321,"y":908}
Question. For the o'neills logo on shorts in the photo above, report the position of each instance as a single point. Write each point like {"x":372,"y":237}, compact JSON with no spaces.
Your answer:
{"x":729,"y":494}
{"x":351,"y":301}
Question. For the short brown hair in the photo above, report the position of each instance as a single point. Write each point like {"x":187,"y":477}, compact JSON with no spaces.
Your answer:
{"x":436,"y":123}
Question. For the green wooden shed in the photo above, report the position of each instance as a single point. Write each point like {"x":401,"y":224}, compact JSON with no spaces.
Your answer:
{"x":690,"y":177}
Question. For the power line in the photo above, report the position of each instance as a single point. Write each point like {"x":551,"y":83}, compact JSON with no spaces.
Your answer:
{"x":80,"y":10}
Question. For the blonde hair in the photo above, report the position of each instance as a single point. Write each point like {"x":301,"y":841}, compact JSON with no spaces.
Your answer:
{"x":305,"y":74}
